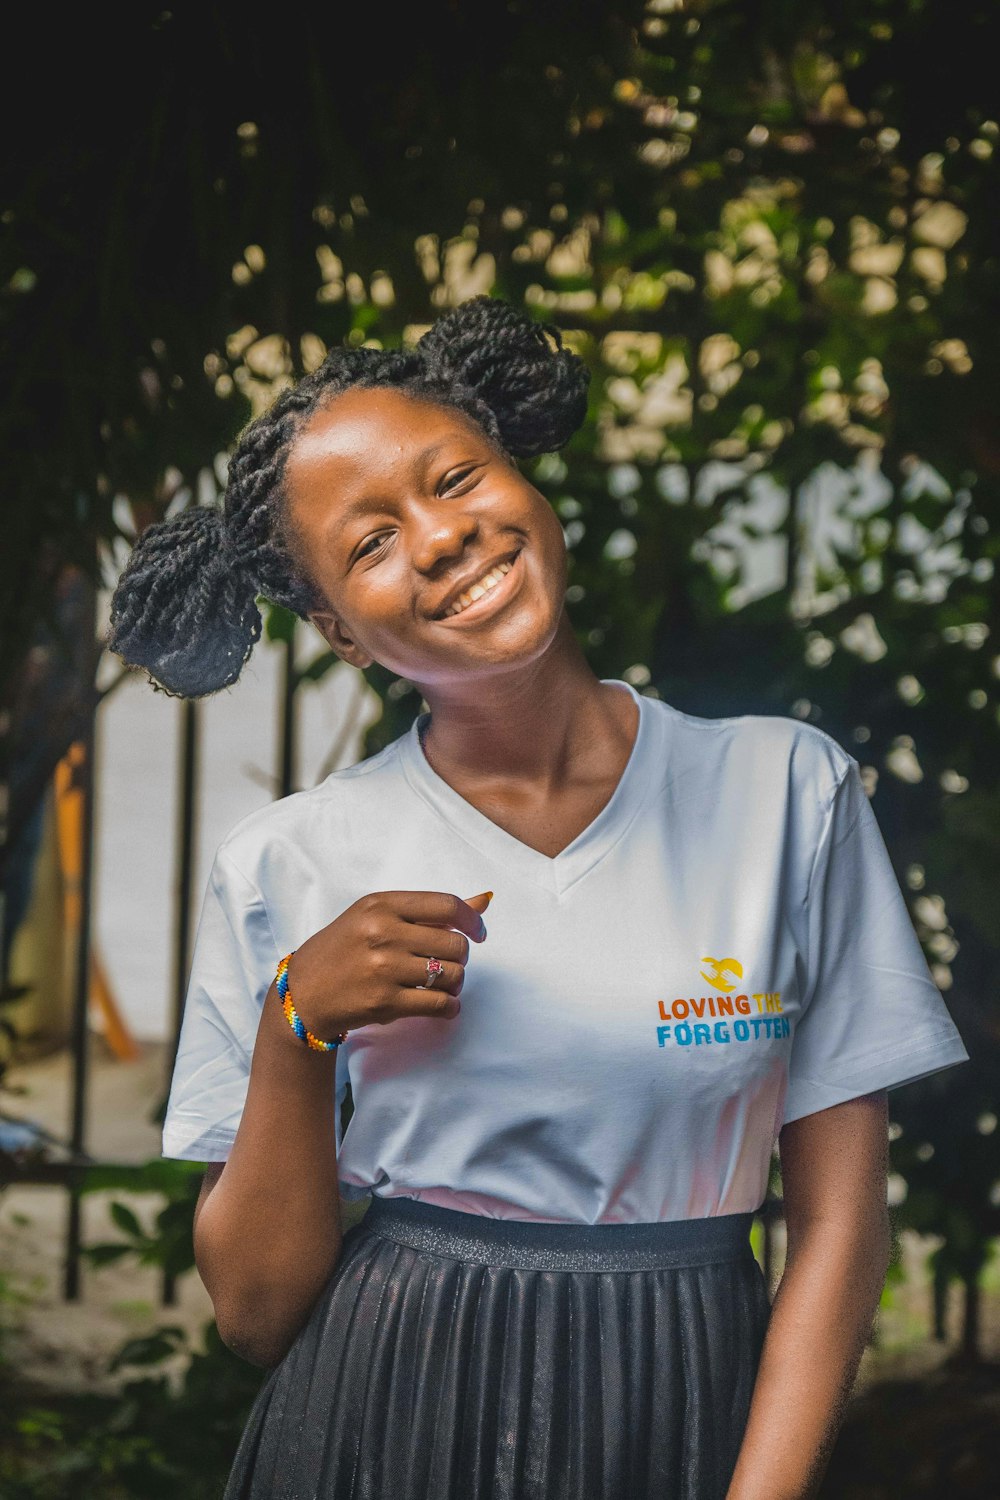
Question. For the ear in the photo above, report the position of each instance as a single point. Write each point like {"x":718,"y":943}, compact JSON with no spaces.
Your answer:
{"x":330,"y":628}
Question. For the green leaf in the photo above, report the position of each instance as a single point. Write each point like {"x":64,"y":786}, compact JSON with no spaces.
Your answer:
{"x":319,"y":667}
{"x":279,"y":623}
{"x":124,"y":1217}
{"x":105,"y":1254}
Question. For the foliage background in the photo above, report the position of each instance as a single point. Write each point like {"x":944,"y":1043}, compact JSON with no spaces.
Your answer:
{"x":770,"y":229}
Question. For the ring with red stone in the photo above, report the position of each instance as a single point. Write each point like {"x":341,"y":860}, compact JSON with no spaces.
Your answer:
{"x":434,"y":968}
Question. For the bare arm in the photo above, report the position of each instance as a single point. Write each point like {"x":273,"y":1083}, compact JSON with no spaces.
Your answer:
{"x":267,"y":1232}
{"x":267,"y":1225}
{"x":833,"y":1167}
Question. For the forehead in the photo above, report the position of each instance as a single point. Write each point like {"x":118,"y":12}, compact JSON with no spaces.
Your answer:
{"x":373,"y":434}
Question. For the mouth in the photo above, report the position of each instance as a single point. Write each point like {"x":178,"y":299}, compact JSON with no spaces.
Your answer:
{"x":496,"y":590}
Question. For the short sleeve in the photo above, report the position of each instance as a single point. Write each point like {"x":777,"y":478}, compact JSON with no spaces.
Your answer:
{"x":872,"y":1017}
{"x":232,"y":967}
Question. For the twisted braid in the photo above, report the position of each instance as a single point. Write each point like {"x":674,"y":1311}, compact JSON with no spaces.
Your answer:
{"x":185,"y":606}
{"x":180,"y":577}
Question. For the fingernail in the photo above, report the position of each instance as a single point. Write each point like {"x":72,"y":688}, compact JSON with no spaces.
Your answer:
{"x":482,"y":928}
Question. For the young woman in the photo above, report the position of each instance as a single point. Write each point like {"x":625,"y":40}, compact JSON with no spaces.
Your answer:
{"x":696,"y":948}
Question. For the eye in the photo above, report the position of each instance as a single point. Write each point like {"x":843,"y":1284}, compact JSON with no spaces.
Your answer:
{"x":363,"y":551}
{"x":458,"y":476}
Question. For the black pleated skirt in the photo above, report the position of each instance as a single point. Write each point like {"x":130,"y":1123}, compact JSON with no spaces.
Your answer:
{"x":456,"y":1357}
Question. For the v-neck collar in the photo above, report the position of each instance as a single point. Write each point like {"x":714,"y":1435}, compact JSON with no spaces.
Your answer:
{"x":555,"y":873}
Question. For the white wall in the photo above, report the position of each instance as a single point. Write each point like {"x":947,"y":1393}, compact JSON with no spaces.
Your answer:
{"x":138,"y":768}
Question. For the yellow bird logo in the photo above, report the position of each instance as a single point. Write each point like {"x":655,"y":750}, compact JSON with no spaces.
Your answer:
{"x":719,"y":966}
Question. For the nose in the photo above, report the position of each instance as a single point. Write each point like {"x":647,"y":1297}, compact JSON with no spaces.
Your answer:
{"x":443,"y":533}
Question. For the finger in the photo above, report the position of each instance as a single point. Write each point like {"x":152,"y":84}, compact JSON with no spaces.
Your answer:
{"x":439,"y":909}
{"x":451,"y":976}
{"x":436,"y":942}
{"x":436,"y":1006}
{"x":439,"y":1000}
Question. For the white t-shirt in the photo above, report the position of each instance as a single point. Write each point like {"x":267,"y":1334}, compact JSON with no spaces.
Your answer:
{"x":724,"y":949}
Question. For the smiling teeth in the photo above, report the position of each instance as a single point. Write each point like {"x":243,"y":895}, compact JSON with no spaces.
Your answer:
{"x":487,"y":582}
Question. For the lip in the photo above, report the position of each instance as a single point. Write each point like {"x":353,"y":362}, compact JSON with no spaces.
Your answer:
{"x":491,"y":601}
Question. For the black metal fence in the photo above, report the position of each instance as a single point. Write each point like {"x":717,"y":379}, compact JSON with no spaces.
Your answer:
{"x":68,"y":1172}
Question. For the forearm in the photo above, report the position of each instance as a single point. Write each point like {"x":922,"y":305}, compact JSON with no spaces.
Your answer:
{"x":820,"y":1321}
{"x":269,"y":1234}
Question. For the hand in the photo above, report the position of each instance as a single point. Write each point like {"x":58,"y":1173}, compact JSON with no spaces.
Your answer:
{"x":365,"y":967}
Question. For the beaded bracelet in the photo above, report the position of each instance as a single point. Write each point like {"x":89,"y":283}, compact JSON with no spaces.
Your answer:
{"x":294,"y":1019}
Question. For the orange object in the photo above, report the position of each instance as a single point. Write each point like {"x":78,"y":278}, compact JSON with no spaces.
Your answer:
{"x":68,"y":785}
{"x":116,"y":1033}
{"x":69,"y":830}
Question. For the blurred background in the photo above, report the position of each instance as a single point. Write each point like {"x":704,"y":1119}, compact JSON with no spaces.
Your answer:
{"x":771,"y":230}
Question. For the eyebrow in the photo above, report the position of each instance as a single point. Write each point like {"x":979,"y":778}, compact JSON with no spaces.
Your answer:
{"x":365,"y":503}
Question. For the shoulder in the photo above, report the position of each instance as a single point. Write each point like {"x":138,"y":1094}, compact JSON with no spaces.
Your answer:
{"x":256,"y":847}
{"x":767,"y":751}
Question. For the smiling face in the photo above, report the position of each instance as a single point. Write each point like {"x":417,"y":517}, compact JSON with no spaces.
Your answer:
{"x":397,"y":506}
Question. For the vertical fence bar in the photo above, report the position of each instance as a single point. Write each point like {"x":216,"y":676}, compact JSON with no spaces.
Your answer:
{"x":5,"y":738}
{"x":81,"y":997}
{"x":184,"y":880}
{"x":288,"y":746}
{"x":187,"y":795}
{"x":6,"y":729}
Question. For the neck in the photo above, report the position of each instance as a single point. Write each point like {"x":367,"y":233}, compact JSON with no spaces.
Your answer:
{"x":530,"y":724}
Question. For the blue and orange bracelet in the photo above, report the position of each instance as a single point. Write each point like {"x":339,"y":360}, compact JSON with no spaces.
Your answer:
{"x":294,"y":1019}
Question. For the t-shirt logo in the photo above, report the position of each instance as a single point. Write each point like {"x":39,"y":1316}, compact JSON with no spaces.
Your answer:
{"x":720,"y":1016}
{"x":719,"y":966}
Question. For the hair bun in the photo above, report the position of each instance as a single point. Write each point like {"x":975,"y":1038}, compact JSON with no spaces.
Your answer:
{"x":537,"y":394}
{"x":184,"y":609}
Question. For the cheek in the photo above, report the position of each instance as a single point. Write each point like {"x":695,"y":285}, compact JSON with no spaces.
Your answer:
{"x":555,"y":527}
{"x":376,"y":598}
{"x":548,"y":528}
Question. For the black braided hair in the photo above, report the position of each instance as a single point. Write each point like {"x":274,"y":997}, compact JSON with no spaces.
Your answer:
{"x":185,"y":606}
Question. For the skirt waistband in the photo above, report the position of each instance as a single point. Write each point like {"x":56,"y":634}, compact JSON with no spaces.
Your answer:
{"x":534,"y":1245}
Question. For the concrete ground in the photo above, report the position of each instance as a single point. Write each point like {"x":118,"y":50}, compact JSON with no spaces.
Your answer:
{"x":62,"y":1344}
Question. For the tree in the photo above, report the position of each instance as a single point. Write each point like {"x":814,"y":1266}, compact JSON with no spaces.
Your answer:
{"x":770,"y":231}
